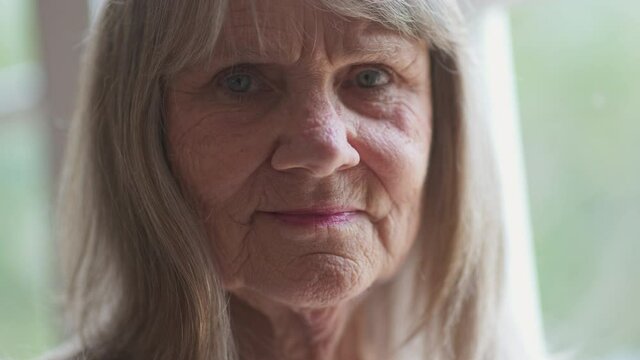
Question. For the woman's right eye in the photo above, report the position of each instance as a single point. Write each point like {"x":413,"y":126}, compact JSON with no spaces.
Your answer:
{"x":239,"y":83}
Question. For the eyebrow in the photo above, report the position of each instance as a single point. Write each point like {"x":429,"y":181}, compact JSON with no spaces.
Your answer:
{"x":392,"y":49}
{"x":385,"y":48}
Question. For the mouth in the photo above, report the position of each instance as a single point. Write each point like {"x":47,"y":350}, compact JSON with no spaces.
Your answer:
{"x":316,"y":217}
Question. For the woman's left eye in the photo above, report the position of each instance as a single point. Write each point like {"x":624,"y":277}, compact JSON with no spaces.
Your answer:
{"x":370,"y":78}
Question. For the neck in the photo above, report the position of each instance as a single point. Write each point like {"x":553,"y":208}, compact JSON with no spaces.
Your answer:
{"x":273,"y":331}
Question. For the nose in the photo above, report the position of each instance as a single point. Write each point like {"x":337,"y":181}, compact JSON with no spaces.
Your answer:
{"x":314,"y":138}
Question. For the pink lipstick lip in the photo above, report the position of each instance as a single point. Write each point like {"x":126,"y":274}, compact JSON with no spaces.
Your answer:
{"x":318,"y":211}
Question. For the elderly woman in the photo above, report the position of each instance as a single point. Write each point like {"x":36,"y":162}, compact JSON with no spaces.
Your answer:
{"x":280,"y":179}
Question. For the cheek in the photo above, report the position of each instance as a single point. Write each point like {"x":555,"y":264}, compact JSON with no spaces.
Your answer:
{"x":397,"y":151}
{"x":215,"y":160}
{"x":211,"y":158}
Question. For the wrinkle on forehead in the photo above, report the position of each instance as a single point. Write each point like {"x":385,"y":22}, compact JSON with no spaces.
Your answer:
{"x":264,"y":28}
{"x":287,"y":31}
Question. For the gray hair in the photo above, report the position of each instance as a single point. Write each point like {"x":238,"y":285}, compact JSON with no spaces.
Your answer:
{"x":139,"y":282}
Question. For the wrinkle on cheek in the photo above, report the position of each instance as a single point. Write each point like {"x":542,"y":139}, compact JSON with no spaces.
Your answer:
{"x":404,"y":136}
{"x":216,"y":164}
{"x":397,"y":151}
{"x":185,"y":128}
{"x":414,"y":121}
{"x":234,"y":242}
{"x":243,"y":259}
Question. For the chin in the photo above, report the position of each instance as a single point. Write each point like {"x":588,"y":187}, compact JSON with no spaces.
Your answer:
{"x":321,"y":281}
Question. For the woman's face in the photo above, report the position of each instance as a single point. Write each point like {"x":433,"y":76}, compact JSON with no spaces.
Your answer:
{"x":307,"y":159}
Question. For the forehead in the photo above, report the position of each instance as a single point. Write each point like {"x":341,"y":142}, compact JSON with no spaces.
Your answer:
{"x":288,"y":30}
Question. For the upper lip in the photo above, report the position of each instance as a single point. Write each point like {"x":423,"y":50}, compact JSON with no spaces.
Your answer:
{"x":317,"y":210}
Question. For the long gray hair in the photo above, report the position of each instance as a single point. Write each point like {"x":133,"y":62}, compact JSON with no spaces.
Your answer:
{"x":140,"y":284}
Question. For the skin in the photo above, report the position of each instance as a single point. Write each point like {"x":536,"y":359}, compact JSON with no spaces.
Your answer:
{"x":332,"y":119}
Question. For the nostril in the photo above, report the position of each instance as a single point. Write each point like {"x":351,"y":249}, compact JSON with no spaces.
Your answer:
{"x":351,"y":157}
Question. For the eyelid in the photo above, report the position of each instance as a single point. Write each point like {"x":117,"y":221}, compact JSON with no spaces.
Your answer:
{"x":377,"y":66}
{"x":224,"y":74}
{"x":236,"y":69}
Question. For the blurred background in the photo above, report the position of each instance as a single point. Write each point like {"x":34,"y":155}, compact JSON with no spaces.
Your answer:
{"x":577,"y":73}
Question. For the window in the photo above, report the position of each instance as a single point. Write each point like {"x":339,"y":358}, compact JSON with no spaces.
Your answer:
{"x":24,"y":188}
{"x":578,"y":83}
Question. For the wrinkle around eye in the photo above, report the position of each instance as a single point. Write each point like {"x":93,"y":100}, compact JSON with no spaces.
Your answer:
{"x":362,"y":98}
{"x":398,"y":110}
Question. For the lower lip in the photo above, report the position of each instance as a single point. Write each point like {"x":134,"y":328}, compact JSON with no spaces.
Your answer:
{"x":316,"y":219}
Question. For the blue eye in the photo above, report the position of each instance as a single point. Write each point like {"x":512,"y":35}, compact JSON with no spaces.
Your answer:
{"x":238,"y":83}
{"x":372,"y":78}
